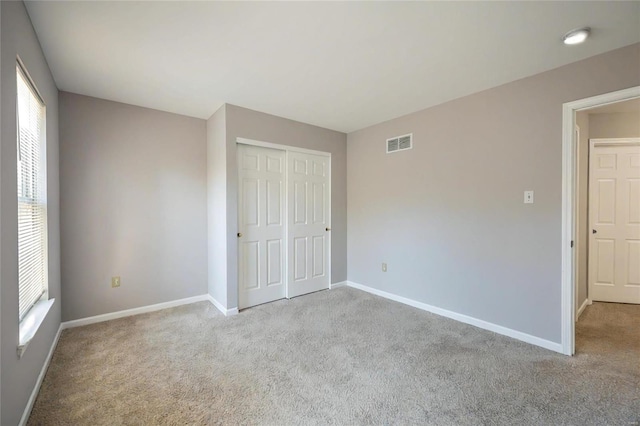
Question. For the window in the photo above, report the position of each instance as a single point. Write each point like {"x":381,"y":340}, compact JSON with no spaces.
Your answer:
{"x":32,"y":194}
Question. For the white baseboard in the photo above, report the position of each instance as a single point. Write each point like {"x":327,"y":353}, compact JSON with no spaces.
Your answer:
{"x":582,"y":307}
{"x":43,"y":371}
{"x":547,"y":344}
{"x":221,"y":308}
{"x":336,"y":285}
{"x":134,"y":311}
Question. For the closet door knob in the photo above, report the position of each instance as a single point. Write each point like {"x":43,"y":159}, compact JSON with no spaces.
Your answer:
{"x":327,"y":229}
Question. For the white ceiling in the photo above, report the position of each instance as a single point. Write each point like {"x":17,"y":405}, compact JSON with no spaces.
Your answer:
{"x":340,"y":65}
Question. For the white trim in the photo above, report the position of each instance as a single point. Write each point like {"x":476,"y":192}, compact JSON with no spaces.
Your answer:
{"x":221,"y":308}
{"x":568,"y":228}
{"x":31,"y":323}
{"x":338,"y":285}
{"x":43,"y":371}
{"x":614,"y":142}
{"x":577,"y":238}
{"x":569,"y":221}
{"x":134,"y":311}
{"x":547,"y":344}
{"x":30,"y":80}
{"x":281,"y":147}
{"x":582,"y":307}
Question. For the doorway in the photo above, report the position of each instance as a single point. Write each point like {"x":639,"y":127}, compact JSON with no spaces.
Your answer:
{"x":599,"y":191}
{"x":284,"y":216}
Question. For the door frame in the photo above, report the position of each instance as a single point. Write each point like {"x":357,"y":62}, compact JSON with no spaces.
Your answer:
{"x":598,"y":142}
{"x":287,"y":149}
{"x":569,"y":202}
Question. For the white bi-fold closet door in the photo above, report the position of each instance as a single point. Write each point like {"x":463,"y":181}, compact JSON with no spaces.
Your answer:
{"x":284,"y":217}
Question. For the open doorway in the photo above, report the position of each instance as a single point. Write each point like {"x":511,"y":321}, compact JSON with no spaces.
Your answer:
{"x":607,"y":239}
{"x":601,"y":220}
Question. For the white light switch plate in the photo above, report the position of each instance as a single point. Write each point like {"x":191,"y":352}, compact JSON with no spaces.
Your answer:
{"x":528,"y":197}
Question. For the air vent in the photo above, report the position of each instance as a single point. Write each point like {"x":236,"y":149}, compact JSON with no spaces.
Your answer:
{"x":392,"y":145}
{"x":399,"y":143}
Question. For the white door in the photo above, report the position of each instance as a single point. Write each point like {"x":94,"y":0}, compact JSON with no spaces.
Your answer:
{"x":261,"y":222}
{"x":614,"y":217}
{"x":309,"y":219}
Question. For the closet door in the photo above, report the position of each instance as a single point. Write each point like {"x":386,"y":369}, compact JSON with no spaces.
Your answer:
{"x":261,"y":222}
{"x":309,"y":223}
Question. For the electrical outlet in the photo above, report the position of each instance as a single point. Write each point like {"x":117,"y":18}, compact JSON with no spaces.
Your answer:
{"x":528,"y":197}
{"x":115,"y":282}
{"x":384,"y":267}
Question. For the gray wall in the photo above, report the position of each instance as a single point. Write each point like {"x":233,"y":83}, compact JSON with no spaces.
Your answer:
{"x":19,"y":375}
{"x":217,"y":204}
{"x":448,"y":216}
{"x":133,"y":184}
{"x":614,"y":125}
{"x":582,"y":187}
{"x":245,"y":123}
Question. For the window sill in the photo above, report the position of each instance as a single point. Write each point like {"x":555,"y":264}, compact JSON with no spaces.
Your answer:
{"x":31,"y":322}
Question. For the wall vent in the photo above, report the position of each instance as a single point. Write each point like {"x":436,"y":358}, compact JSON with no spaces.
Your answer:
{"x":400,"y":143}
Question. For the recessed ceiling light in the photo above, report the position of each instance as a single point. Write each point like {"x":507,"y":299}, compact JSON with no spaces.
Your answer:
{"x":576,"y":36}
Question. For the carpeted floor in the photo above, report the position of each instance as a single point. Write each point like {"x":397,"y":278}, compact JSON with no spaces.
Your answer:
{"x":337,"y":357}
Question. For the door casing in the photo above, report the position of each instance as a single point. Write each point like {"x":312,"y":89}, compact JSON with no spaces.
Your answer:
{"x":569,"y":203}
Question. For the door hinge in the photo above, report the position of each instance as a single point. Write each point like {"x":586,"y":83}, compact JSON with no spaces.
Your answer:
{"x":571,"y":243}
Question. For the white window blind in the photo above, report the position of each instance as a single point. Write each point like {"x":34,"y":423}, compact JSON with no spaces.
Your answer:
{"x":32,"y":194}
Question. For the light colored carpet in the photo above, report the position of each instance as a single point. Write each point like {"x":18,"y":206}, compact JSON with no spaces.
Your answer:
{"x":337,"y":357}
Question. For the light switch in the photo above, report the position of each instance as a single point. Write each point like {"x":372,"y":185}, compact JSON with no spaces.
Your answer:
{"x":528,"y":197}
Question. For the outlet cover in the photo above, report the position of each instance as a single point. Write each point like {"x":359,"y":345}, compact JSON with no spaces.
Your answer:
{"x":528,"y":197}
{"x":115,"y":282}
